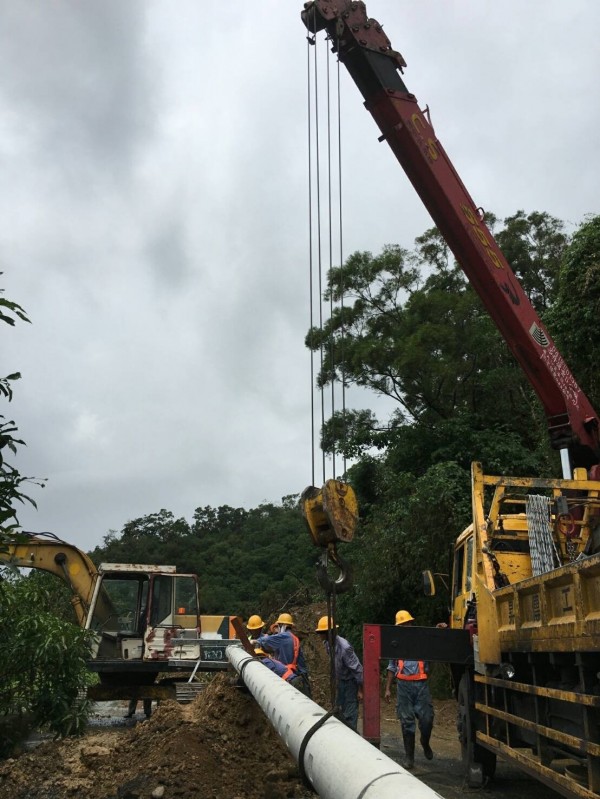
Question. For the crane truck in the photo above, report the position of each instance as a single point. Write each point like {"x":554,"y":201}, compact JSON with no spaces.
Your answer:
{"x":524,"y":637}
{"x":144,"y":619}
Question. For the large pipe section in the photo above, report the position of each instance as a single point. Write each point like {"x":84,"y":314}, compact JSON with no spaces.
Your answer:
{"x":337,"y":762}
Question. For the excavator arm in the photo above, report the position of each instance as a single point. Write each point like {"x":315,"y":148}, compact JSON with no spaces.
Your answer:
{"x":47,"y":552}
{"x":376,"y":68}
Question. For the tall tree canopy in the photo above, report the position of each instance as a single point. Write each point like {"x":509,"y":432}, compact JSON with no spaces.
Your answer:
{"x":410,"y":327}
{"x":574,"y":316}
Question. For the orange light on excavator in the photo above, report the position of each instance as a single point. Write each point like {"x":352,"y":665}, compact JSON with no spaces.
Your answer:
{"x":181,"y":611}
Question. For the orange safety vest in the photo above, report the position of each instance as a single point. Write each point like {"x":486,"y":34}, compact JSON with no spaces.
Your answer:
{"x":291,"y":667}
{"x":420,"y":675}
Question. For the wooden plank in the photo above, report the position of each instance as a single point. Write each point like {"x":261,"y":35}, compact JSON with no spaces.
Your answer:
{"x":583,"y":747}
{"x":529,"y":763}
{"x":537,"y":690}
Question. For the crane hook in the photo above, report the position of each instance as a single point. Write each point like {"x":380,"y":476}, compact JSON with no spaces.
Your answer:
{"x":343,"y":581}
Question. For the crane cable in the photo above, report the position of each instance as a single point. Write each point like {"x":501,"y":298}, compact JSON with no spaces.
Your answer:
{"x":310,"y":261}
{"x":341,"y":258}
{"x":314,"y":171}
{"x":317,"y":170}
{"x":314,"y":200}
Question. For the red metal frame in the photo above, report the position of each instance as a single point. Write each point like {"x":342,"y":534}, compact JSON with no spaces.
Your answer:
{"x":371,"y":683}
{"x":366,"y":51}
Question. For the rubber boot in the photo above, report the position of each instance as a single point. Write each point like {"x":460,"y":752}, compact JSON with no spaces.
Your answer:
{"x":409,"y":750}
{"x":427,"y":751}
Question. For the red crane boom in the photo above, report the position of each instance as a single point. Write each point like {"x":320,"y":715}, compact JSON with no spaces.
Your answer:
{"x":376,"y":68}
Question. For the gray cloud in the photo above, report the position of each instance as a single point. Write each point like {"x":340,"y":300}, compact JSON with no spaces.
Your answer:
{"x":76,"y":76}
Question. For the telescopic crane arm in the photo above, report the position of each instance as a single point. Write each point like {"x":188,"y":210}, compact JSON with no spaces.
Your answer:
{"x":376,"y":68}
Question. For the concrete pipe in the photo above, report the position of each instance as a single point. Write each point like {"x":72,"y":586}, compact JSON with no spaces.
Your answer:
{"x":336,"y":761}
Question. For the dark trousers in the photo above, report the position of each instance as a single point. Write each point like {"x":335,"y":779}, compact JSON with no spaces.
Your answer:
{"x":133,"y":706}
{"x":347,"y":701}
{"x":413,"y":703}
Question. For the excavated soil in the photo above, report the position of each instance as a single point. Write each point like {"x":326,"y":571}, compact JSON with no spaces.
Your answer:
{"x":221,"y":745}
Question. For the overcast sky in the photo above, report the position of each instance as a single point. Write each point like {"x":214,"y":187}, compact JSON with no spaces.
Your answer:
{"x":154,"y":225}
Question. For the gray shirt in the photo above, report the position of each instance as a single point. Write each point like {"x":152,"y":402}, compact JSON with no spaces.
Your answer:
{"x":347,"y":664}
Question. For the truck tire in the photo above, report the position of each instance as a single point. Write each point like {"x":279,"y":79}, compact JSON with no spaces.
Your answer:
{"x":478,"y":762}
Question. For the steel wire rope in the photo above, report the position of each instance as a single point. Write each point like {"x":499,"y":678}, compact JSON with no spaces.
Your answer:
{"x":314,"y":99}
{"x":332,"y":339}
{"x":316,"y":171}
{"x":310,"y":259}
{"x":315,"y":189}
{"x":319,"y":246}
{"x":330,"y":241}
{"x":341,"y":237}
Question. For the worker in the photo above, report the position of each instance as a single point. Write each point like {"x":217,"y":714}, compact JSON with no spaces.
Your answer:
{"x":279,"y":669}
{"x":255,"y":627}
{"x":141,"y":630}
{"x":285,"y":645}
{"x":133,"y":703}
{"x":348,"y":673}
{"x":413,"y":700}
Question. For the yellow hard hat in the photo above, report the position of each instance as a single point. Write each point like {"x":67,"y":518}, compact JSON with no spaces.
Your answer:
{"x":285,"y":618}
{"x":403,"y":616}
{"x":255,"y":623}
{"x":324,"y":624}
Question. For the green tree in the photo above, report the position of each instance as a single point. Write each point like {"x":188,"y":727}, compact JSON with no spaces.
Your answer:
{"x":534,"y":245}
{"x":12,"y":482}
{"x":427,"y":342}
{"x":162,"y":526}
{"x":573,"y":320}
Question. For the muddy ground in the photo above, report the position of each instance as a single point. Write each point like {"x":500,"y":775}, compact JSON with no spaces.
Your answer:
{"x":444,"y":774}
{"x":221,"y":746}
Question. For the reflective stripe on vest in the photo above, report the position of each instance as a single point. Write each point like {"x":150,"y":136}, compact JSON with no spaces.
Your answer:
{"x":420,"y":675}
{"x":291,"y":667}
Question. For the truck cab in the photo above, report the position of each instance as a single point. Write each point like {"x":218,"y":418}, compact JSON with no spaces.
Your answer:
{"x":462,"y":578}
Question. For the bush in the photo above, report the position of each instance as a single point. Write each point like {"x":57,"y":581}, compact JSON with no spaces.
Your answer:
{"x":43,"y":671}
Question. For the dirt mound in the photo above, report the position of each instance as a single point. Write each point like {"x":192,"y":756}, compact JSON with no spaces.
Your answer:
{"x":219,"y":746}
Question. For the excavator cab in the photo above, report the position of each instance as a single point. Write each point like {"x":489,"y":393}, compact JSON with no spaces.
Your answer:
{"x":144,"y":614}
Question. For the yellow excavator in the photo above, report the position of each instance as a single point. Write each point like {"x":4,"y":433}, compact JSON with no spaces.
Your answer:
{"x":144,"y":619}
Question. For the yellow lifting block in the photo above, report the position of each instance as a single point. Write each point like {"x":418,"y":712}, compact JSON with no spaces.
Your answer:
{"x":331,"y":512}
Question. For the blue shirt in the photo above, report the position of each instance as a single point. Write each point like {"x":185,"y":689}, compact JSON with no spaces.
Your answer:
{"x":277,"y":667}
{"x":409,"y":667}
{"x":283,"y":646}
